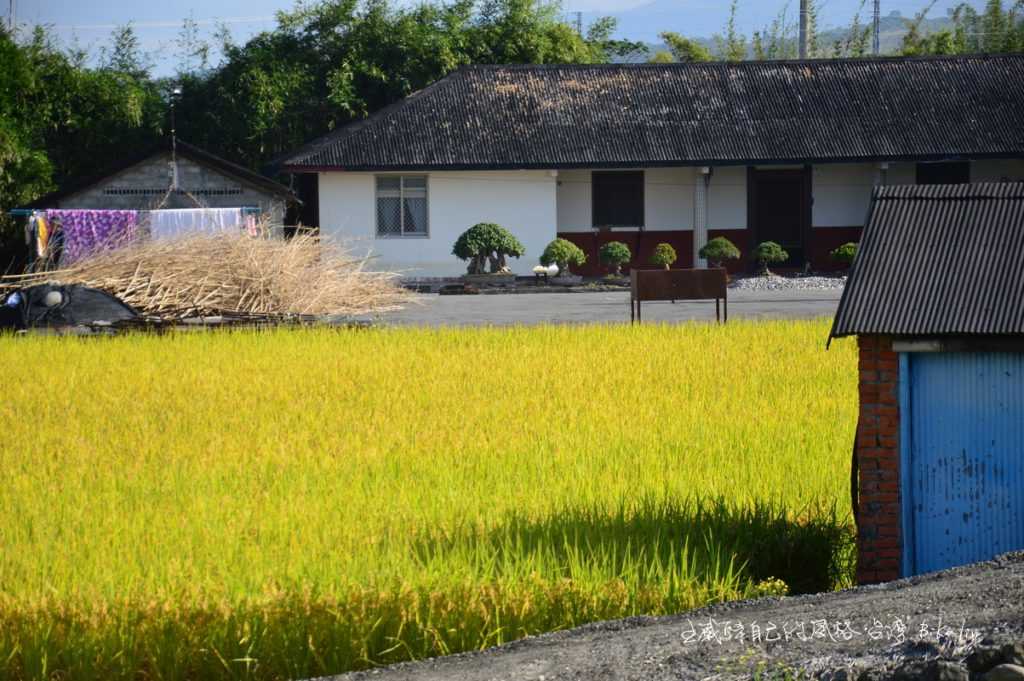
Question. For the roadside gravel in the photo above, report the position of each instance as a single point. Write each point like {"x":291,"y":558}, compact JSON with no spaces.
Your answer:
{"x":942,"y":615}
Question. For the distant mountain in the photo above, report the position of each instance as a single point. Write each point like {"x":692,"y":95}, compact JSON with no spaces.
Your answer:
{"x":704,"y":18}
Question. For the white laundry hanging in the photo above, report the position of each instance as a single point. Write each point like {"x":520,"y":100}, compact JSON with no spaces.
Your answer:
{"x":177,"y":222}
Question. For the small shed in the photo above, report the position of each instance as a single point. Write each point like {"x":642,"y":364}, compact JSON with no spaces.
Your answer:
{"x":936,"y":301}
{"x":174,"y":175}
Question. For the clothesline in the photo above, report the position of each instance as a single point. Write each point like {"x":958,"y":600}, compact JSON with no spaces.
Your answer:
{"x":68,"y":235}
{"x":25,"y":212}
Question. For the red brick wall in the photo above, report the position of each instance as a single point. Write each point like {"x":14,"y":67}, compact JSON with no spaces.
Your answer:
{"x":878,"y":458}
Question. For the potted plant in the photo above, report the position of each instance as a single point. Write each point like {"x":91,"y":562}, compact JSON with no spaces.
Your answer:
{"x":768,"y":253}
{"x":615,"y":254}
{"x":563,"y":253}
{"x":484,"y":244}
{"x":718,"y":250}
{"x":844,"y":254}
{"x":664,"y":255}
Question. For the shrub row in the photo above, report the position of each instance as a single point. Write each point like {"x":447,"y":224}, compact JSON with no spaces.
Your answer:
{"x":488,"y":243}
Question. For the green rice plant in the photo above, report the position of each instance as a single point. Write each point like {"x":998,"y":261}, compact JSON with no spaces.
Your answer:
{"x":293,"y":503}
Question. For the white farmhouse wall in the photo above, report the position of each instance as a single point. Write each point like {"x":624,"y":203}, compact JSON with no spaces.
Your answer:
{"x":727,"y":198}
{"x":522,"y":201}
{"x":668,"y":200}
{"x":575,"y":201}
{"x":842,"y":194}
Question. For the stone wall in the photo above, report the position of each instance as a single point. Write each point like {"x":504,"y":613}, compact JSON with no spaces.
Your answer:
{"x":144,"y":185}
{"x":878,"y":459}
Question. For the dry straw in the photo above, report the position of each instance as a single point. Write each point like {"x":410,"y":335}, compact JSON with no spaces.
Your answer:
{"x":236,"y":275}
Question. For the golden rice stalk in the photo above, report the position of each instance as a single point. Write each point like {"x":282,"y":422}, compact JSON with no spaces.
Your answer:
{"x":206,"y":275}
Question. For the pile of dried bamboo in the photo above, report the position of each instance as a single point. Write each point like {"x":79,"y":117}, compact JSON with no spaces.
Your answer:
{"x":211,"y":275}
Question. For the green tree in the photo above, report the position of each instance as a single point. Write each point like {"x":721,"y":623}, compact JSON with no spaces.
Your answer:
{"x":717,"y":250}
{"x":768,"y":253}
{"x":683,"y":49}
{"x":60,"y":120}
{"x":997,"y":29}
{"x":664,"y":255}
{"x":855,"y":42}
{"x":604,"y":47}
{"x":615,"y":254}
{"x":484,"y":243}
{"x":563,"y":253}
{"x":329,"y":63}
{"x":731,"y":45}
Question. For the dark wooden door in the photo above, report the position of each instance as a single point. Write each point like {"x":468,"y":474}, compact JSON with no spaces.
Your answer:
{"x":780,"y":210}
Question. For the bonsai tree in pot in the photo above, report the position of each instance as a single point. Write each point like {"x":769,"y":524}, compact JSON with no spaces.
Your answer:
{"x":718,"y":250}
{"x":664,"y":255}
{"x":844,"y":254}
{"x":487,"y":243}
{"x":615,"y":254}
{"x":768,"y":253}
{"x":563,"y":253}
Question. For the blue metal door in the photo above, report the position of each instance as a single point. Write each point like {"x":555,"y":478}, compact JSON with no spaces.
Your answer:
{"x":962,"y":457}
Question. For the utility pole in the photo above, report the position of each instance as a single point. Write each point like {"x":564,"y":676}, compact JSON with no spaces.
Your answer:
{"x":579,"y":23}
{"x":877,"y":42}
{"x":805,"y":16}
{"x":10,"y":17}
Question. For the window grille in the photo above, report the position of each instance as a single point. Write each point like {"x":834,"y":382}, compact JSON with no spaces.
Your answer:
{"x":401,"y":205}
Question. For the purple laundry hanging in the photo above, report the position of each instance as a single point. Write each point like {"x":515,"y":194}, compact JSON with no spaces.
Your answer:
{"x":88,"y":231}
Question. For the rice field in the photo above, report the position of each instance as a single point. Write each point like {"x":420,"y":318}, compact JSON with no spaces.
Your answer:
{"x":292,"y":503}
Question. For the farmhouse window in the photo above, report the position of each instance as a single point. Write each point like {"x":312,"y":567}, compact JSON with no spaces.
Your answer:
{"x":618,"y":198}
{"x":401,"y":205}
{"x":944,"y":172}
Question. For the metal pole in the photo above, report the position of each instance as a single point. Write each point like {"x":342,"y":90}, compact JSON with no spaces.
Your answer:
{"x":804,"y":21}
{"x":10,"y":18}
{"x":877,"y":43}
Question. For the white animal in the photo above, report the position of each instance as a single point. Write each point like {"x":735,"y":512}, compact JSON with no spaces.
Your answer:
{"x":550,"y":270}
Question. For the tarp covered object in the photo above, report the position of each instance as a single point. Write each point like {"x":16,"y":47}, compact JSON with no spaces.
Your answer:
{"x":56,"y":305}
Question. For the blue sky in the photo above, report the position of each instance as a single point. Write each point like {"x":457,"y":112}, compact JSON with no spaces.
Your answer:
{"x":157,"y":24}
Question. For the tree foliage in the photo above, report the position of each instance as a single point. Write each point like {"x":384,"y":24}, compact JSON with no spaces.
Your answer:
{"x":563,"y":253}
{"x":329,"y":63}
{"x":844,"y":254}
{"x":718,"y":250}
{"x":681,"y":49}
{"x":615,"y":254}
{"x":999,"y":28}
{"x":487,"y":242}
{"x":664,"y":255}
{"x":768,"y":253}
{"x":325,"y":64}
{"x":60,"y":121}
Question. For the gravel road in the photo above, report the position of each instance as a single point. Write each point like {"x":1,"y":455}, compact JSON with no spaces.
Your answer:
{"x":944,"y":614}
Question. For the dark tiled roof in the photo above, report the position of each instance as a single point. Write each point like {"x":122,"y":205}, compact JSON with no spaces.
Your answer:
{"x":939,"y":260}
{"x":184,"y":149}
{"x":561,"y":116}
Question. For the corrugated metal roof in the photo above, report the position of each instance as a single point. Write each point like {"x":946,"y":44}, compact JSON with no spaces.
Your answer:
{"x":630,"y":115}
{"x":938,"y":260}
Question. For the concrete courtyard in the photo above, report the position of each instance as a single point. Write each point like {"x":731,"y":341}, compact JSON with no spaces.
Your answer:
{"x":610,"y":307}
